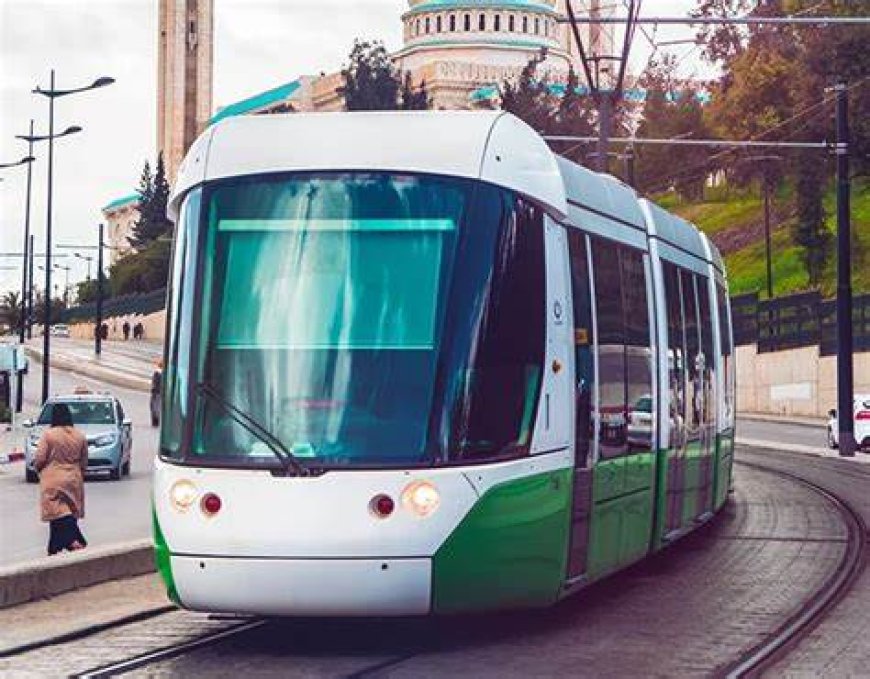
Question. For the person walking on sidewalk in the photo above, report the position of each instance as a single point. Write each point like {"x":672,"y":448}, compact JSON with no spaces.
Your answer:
{"x":61,"y":461}
{"x":126,"y":329}
{"x":156,"y":389}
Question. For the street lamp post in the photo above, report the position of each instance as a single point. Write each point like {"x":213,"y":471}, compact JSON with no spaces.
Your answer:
{"x":51,"y":93}
{"x":66,"y":285}
{"x":98,"y":339}
{"x":78,"y":255}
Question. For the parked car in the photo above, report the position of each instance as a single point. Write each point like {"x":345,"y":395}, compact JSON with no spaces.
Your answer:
{"x":640,"y":421}
{"x":862,"y":423}
{"x":100,"y":417}
{"x":59,"y":330}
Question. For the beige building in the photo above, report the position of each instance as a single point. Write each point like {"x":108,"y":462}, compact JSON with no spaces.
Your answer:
{"x":120,"y":216}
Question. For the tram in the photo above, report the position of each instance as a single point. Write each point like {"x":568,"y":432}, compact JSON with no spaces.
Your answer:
{"x":418,"y":364}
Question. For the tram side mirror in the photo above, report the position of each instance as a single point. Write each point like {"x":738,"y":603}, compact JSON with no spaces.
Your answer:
{"x":832,"y":413}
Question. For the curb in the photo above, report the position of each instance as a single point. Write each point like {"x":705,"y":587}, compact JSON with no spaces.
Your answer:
{"x":93,"y":371}
{"x":783,"y":419}
{"x":54,"y":575}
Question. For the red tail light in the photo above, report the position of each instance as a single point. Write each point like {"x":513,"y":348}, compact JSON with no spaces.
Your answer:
{"x":382,"y":506}
{"x":211,"y":504}
{"x":862,"y":415}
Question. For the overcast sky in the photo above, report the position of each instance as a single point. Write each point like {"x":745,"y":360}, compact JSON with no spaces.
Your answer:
{"x":258,"y":45}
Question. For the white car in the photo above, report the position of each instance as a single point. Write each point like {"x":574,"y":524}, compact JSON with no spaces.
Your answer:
{"x":59,"y":330}
{"x":862,"y":423}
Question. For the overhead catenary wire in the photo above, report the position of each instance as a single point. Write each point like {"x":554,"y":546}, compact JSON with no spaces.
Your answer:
{"x":745,"y":20}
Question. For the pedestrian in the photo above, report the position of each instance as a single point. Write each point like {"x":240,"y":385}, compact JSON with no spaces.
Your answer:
{"x":156,"y":388}
{"x":141,"y":329}
{"x":61,"y":460}
{"x":126,"y":329}
{"x":104,"y":329}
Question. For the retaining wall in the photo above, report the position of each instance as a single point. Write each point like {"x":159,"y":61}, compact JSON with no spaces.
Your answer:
{"x":155,"y":326}
{"x":797,"y":382}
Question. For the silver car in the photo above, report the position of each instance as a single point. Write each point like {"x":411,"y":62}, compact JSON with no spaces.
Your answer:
{"x":101,"y":419}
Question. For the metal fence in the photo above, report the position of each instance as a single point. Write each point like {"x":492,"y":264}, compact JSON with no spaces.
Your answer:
{"x":801,"y":320}
{"x":125,"y":305}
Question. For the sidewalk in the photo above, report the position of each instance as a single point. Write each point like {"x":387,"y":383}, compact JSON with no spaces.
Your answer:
{"x":783,"y":419}
{"x":126,"y":364}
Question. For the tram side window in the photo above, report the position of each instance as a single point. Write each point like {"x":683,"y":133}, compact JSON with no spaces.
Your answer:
{"x":638,"y":354}
{"x":612,"y":401}
{"x":676,"y":356}
{"x":725,"y":341}
{"x":496,"y":416}
{"x":707,"y":363}
{"x":693,"y":356}
{"x":583,"y":342}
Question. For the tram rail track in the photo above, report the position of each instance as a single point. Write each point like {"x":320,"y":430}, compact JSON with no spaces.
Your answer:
{"x":761,"y":657}
{"x":749,"y":664}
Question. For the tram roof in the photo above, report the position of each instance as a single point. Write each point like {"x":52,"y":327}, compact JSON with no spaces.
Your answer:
{"x":678,"y":238}
{"x":489,"y":145}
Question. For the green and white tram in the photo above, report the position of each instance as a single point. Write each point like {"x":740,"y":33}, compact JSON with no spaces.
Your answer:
{"x":416,"y":363}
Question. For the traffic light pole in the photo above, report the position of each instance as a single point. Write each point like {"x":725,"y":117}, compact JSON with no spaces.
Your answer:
{"x":845,"y":398}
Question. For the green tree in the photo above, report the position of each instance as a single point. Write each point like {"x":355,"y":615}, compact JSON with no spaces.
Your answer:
{"x":10,"y":311}
{"x":86,"y":291}
{"x":142,"y":271}
{"x":153,"y":191}
{"x":574,"y":117}
{"x":413,"y":98}
{"x":672,"y":109}
{"x":370,"y":80}
{"x":529,"y":98}
{"x":809,"y":230}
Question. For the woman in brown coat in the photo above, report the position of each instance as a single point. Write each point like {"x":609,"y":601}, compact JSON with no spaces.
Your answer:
{"x":61,"y":460}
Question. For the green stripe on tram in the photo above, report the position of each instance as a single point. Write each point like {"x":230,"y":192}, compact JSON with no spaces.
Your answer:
{"x":162,"y":559}
{"x":510,"y":550}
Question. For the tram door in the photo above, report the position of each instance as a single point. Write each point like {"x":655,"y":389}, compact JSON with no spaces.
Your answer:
{"x":584,"y":379}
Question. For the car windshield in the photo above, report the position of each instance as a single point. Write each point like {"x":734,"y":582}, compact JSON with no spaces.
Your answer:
{"x":83,"y":412}
{"x":644,"y":405}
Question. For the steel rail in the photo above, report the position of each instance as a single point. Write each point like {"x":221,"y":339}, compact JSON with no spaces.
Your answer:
{"x":759,"y":658}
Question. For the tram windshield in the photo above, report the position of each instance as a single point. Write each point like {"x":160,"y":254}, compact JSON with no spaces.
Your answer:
{"x":361,"y":319}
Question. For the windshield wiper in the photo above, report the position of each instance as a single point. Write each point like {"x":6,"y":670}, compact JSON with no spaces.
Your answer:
{"x":291,"y":466}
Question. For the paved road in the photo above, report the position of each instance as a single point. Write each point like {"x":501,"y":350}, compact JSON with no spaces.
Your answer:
{"x":775,"y":432}
{"x":683,"y":613}
{"x":116,"y":511}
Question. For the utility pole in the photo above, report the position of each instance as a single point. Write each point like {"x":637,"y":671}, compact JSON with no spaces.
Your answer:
{"x":98,"y":334}
{"x":845,"y":399}
{"x":30,"y":291}
{"x":629,"y":166}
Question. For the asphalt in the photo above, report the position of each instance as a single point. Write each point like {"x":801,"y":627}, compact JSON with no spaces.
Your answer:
{"x":116,"y":511}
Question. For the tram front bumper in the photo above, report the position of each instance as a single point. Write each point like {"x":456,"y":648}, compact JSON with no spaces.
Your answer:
{"x":304,"y":587}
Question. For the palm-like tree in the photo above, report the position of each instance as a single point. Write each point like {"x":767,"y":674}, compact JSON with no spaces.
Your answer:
{"x":10,"y":310}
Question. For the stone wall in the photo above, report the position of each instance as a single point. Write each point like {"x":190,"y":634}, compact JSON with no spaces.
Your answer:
{"x":795,"y":382}
{"x":155,"y":327}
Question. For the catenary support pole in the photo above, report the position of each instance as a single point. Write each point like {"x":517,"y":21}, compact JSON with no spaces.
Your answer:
{"x":629,"y":166}
{"x":98,"y":330}
{"x":845,"y":407}
{"x":767,"y":248}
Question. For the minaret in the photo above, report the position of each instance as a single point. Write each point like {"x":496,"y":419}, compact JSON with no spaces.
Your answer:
{"x":184,"y":76}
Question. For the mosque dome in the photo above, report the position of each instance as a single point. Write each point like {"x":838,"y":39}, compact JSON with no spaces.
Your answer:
{"x":497,"y":32}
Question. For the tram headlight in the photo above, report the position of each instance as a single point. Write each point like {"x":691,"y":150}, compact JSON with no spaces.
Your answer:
{"x":422,"y":498}
{"x":182,"y":495}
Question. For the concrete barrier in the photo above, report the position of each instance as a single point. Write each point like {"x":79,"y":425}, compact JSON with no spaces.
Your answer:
{"x":54,"y":575}
{"x":90,"y":369}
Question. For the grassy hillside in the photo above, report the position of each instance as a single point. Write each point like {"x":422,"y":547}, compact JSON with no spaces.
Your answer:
{"x":734,"y":220}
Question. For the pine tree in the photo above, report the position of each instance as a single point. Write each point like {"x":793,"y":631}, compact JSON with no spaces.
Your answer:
{"x":529,"y":98}
{"x":153,"y":191}
{"x":810,"y":231}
